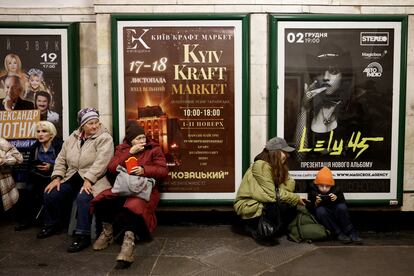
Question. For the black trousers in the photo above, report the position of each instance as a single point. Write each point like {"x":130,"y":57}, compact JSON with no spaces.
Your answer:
{"x":31,"y":198}
{"x":112,"y":210}
{"x":287,"y":214}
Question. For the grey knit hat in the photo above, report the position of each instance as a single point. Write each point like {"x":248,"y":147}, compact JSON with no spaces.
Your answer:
{"x":87,"y":114}
{"x":277,"y":143}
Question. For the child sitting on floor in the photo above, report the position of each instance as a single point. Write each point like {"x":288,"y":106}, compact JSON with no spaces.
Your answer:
{"x":330,"y":207}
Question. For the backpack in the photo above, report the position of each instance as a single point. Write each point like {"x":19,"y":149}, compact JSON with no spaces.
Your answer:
{"x":305,"y":227}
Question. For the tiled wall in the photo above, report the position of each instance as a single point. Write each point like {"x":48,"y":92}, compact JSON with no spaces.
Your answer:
{"x":96,"y":55}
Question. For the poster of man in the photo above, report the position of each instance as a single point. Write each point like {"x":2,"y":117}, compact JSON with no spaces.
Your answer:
{"x":340,"y":101}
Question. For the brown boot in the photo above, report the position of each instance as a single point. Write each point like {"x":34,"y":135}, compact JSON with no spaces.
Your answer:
{"x":105,"y":239}
{"x":127,"y":249}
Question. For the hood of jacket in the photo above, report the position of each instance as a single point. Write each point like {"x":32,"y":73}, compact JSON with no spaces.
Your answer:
{"x":77,"y":133}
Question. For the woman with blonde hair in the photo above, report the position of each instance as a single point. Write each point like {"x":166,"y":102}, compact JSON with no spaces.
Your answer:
{"x":13,"y":67}
{"x":43,"y":154}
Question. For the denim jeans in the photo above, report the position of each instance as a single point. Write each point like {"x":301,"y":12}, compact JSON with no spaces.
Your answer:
{"x":58,"y":203}
{"x":335,"y":218}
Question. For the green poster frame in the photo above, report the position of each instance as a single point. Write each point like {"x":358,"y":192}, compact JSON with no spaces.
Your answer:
{"x":274,"y":19}
{"x":245,"y":116}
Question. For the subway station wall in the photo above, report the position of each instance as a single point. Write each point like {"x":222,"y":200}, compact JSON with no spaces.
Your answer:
{"x":95,"y":48}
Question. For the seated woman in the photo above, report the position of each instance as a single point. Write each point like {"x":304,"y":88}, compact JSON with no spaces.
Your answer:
{"x":257,"y":192}
{"x":40,"y":167}
{"x":9,"y":156}
{"x":138,"y":213}
{"x":79,"y":173}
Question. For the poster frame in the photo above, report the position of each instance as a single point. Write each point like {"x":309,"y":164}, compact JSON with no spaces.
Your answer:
{"x":73,"y":64}
{"x":245,"y":97}
{"x":274,"y":19}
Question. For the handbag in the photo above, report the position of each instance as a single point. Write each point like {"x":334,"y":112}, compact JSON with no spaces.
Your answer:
{"x":270,"y":222}
{"x":132,"y":185}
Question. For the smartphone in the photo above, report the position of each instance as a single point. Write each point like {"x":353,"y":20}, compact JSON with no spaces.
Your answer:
{"x":37,"y":163}
{"x":325,"y":197}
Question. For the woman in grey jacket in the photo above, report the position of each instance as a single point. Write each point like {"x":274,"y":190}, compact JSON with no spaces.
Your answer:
{"x":79,"y":173}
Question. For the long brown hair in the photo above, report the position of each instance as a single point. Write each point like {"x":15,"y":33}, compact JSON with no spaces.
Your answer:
{"x":280,"y":170}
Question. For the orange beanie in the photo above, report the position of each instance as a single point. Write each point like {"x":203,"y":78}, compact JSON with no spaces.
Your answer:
{"x":324,"y":177}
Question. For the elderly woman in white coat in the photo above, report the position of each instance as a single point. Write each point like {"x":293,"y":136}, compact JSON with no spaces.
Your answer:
{"x":79,"y":173}
{"x":9,"y":156}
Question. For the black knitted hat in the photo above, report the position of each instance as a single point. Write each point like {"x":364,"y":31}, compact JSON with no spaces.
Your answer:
{"x":133,"y":129}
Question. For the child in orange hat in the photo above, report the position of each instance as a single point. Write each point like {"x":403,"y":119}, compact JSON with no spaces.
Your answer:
{"x":330,"y":207}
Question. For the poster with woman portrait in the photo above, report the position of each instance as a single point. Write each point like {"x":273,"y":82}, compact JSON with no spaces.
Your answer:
{"x":181,"y":80}
{"x":34,"y":82}
{"x":338,"y":102}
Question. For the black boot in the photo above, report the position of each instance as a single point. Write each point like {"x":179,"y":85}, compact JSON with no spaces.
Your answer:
{"x":23,"y":225}
{"x":81,"y":242}
{"x":48,"y":231}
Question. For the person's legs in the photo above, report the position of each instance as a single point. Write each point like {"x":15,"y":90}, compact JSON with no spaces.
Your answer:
{"x":327,"y":218}
{"x":250,"y":225}
{"x":133,"y":225}
{"x":105,"y":211}
{"x":24,"y":209}
{"x":39,"y":185}
{"x":83,"y":223}
{"x":136,"y":224}
{"x":30,"y":200}
{"x":55,"y":202}
{"x":287,"y":214}
{"x":253,"y":228}
{"x":342,"y":215}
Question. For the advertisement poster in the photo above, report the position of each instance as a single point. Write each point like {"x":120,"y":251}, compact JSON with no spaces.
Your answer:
{"x":339,"y":94}
{"x":33,"y":85}
{"x":181,"y":80}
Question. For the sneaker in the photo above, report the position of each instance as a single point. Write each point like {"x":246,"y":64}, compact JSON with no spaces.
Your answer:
{"x":355,"y":238}
{"x":344,"y":239}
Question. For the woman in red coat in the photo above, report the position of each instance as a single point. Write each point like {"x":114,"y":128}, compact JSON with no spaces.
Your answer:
{"x":137,"y":213}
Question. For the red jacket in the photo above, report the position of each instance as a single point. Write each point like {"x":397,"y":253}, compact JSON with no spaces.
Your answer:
{"x":153,"y":161}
